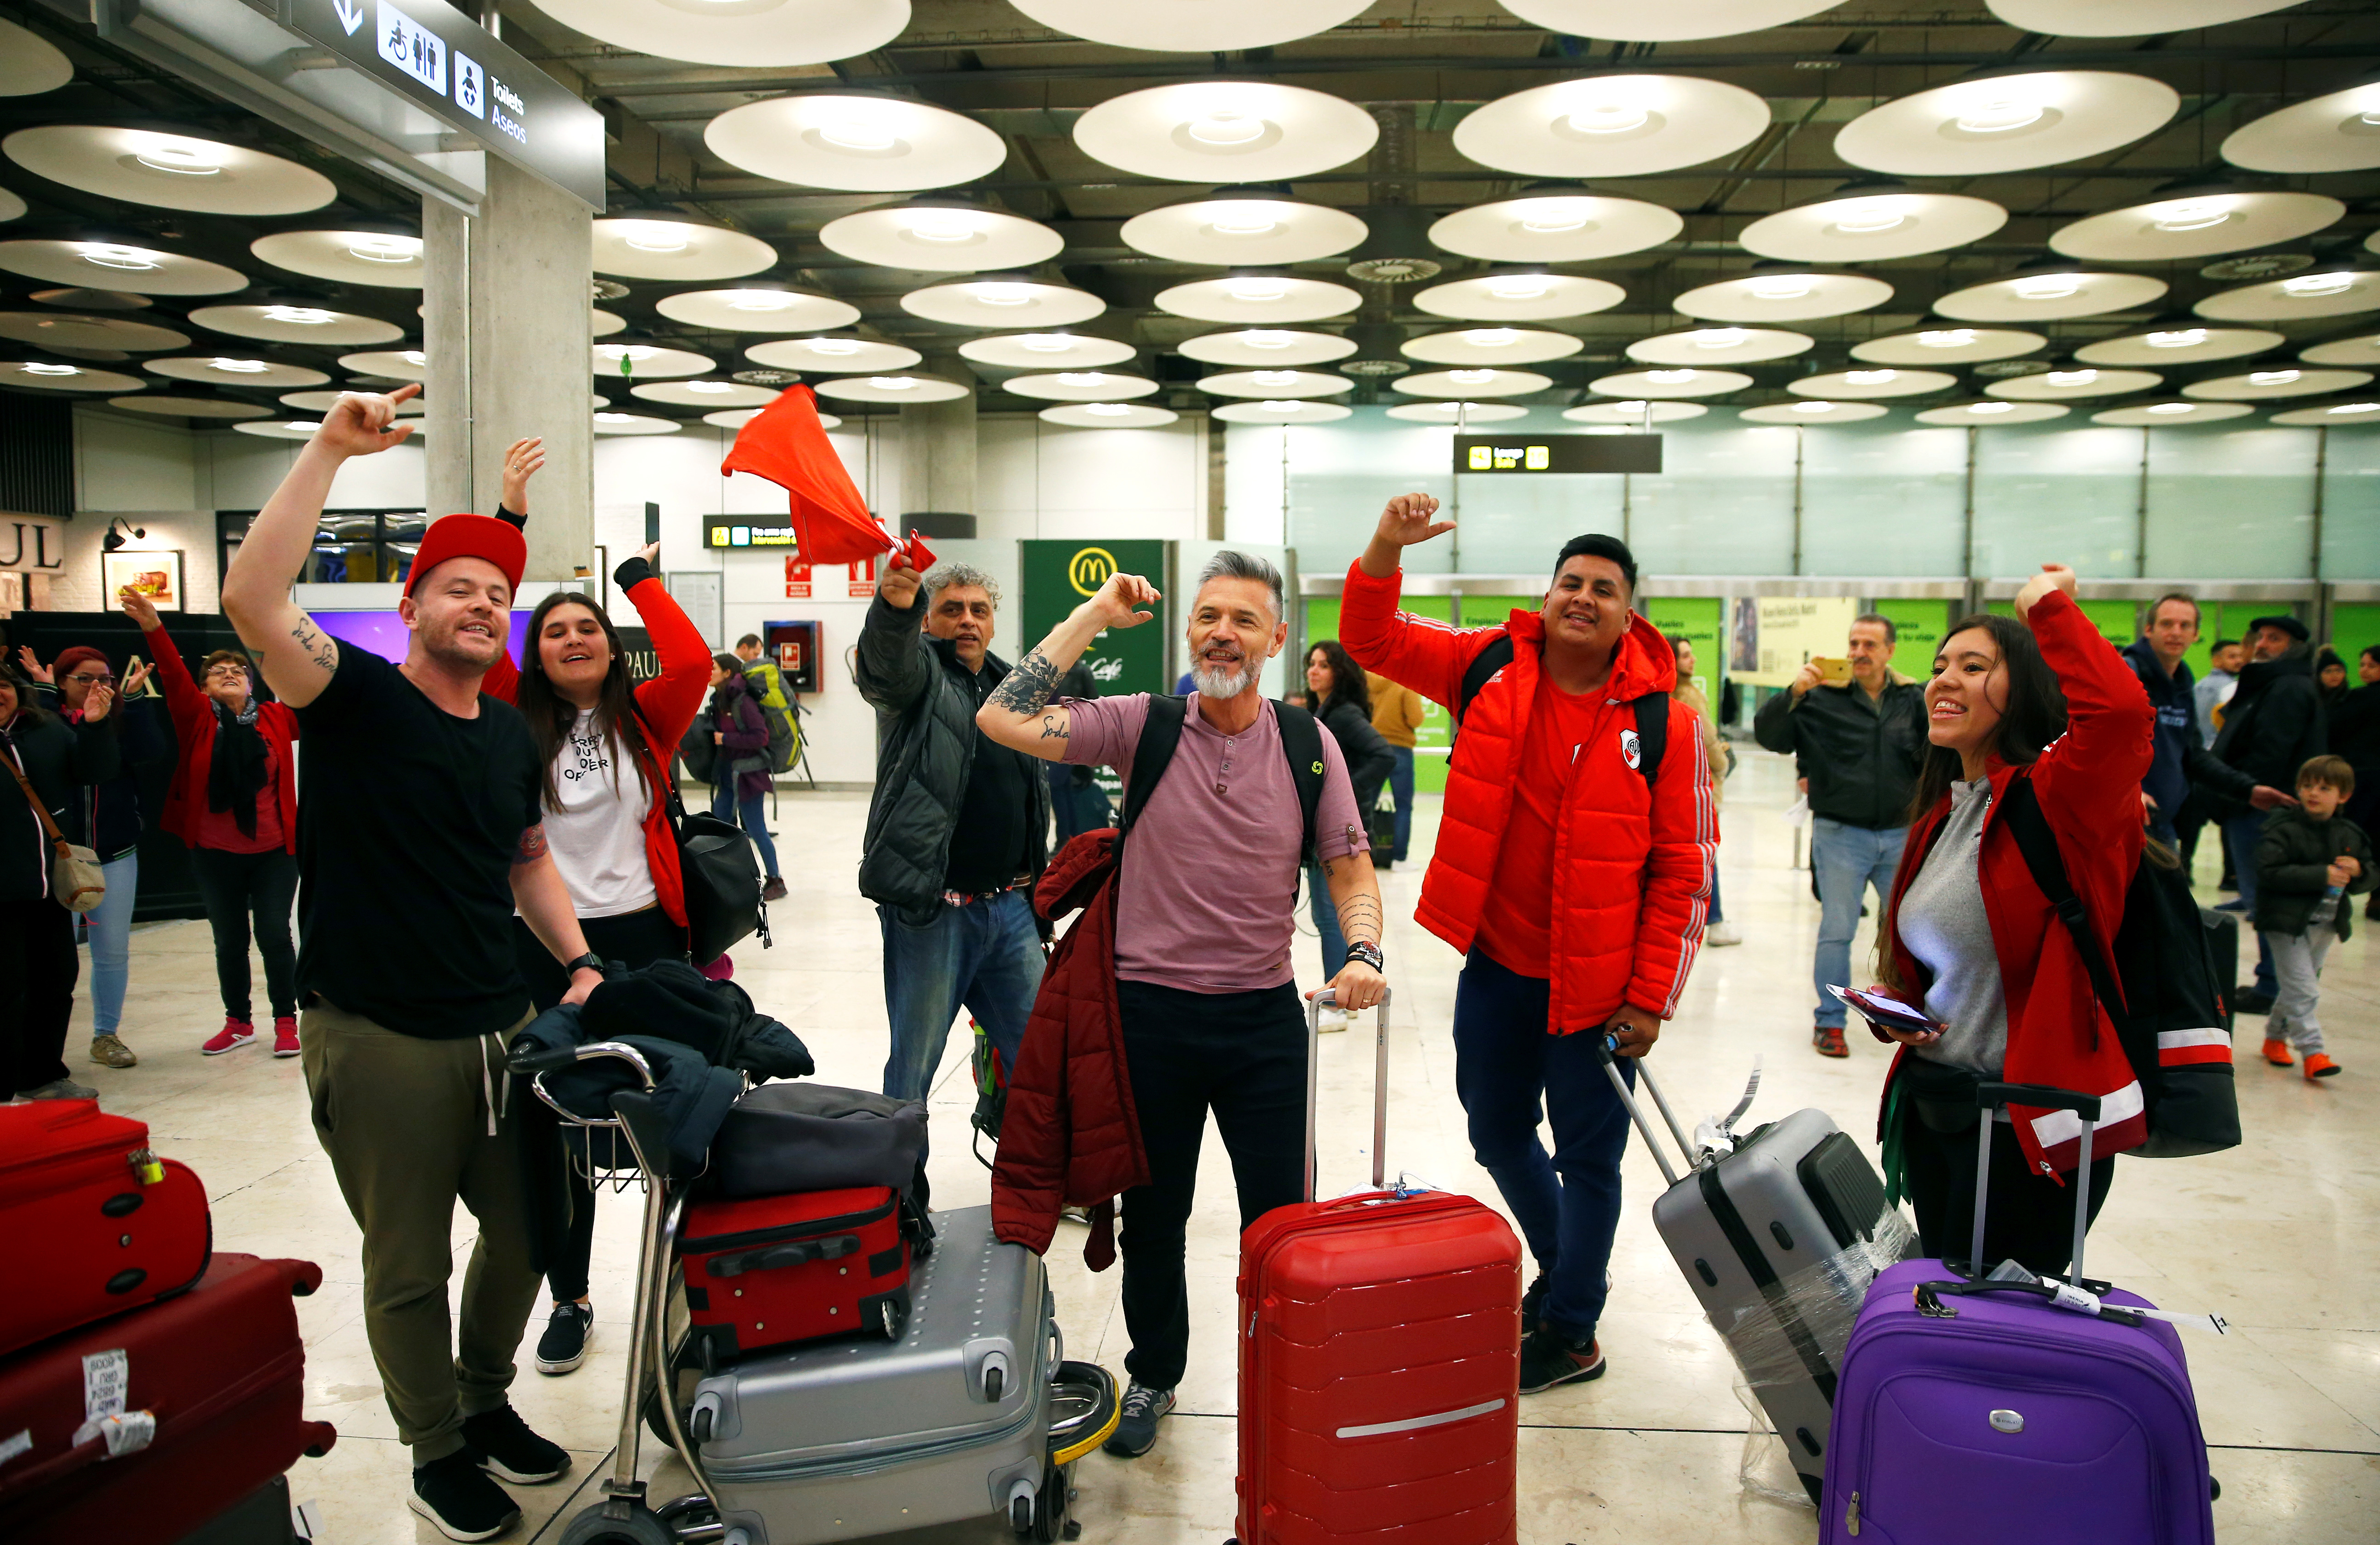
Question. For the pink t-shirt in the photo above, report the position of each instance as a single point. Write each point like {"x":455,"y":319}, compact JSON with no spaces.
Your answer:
{"x":1210,"y":896}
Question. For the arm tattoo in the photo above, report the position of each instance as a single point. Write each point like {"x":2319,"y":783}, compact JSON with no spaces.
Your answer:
{"x":1052,"y":730}
{"x":319,"y":647}
{"x":1026,"y":690}
{"x":532,"y":845}
{"x":1359,"y":918}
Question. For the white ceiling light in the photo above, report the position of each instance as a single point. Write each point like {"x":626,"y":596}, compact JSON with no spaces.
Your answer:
{"x":1720,"y":345}
{"x":1192,"y":26}
{"x":1519,"y":297}
{"x":647,"y":362}
{"x":760,"y":309}
{"x":1457,"y":413}
{"x":1266,"y":348}
{"x":1258,"y":297}
{"x":1995,"y":412}
{"x":2007,"y":123}
{"x":2257,"y":386}
{"x":1492,"y":345}
{"x":856,"y":143}
{"x":635,"y":424}
{"x":1243,"y":232}
{"x":1610,"y":125}
{"x":394,"y":363}
{"x":2336,"y":132}
{"x":1225,"y":131}
{"x":834,"y":355}
{"x":705,"y":394}
{"x":1682,"y":380}
{"x":11,"y":207}
{"x":2147,"y":416}
{"x":2073,"y":384}
{"x":1632,"y":21}
{"x":645,"y":246}
{"x":2333,"y":290}
{"x":1084,"y":386}
{"x":65,"y":330}
{"x":1939,"y":345}
{"x":2051,"y":296}
{"x":737,"y":33}
{"x":1275,"y":383}
{"x":1878,"y":382}
{"x":1484,"y":382}
{"x":2178,"y":343}
{"x":43,"y":375}
{"x":2196,"y":222}
{"x":115,"y":266}
{"x":168,"y":405}
{"x":320,"y":402}
{"x":1556,"y":226}
{"x":904,"y":388}
{"x":2357,"y":410}
{"x":2364,"y":350}
{"x":1046,"y":351}
{"x":940,"y":238}
{"x":234,"y":370}
{"x":2126,"y":18}
{"x":1282,"y":411}
{"x":1108,"y":416}
{"x":168,"y":171}
{"x":1003,"y":302}
{"x":1815,"y":411}
{"x":1858,"y":223}
{"x":602,"y":324}
{"x":31,"y":64}
{"x":1784,"y":296}
{"x":1634,"y":411}
{"x":294,"y":428}
{"x":296,"y":324}
{"x":387,"y":258}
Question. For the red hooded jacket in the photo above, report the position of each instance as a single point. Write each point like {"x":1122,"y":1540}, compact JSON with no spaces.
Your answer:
{"x":194,"y":731}
{"x":1632,"y":861}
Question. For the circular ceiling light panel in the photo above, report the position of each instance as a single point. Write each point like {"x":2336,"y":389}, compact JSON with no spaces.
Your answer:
{"x":11,"y":207}
{"x":2282,"y":380}
{"x":1682,"y":380}
{"x":394,"y":363}
{"x":736,"y":417}
{"x":2007,"y":123}
{"x":1556,"y":227}
{"x":602,"y":324}
{"x":1225,"y":131}
{"x":31,"y":64}
{"x":1465,"y":384}
{"x":1258,"y":297}
{"x":117,"y":266}
{"x":170,"y":406}
{"x":1612,"y":126}
{"x":856,"y":143}
{"x":387,"y":258}
{"x":54,"y":329}
{"x":834,"y":355}
{"x":940,"y":238}
{"x":1856,"y":225}
{"x":1273,"y":383}
{"x":2069,"y":384}
{"x":1986,"y":414}
{"x":50,"y":375}
{"x":645,"y":362}
{"x":1720,"y":345}
{"x":737,"y":32}
{"x":2339,"y":132}
{"x":635,"y":424}
{"x":1244,"y":232}
{"x":1948,"y":346}
{"x":2051,"y":296}
{"x":896,"y":389}
{"x":2177,"y":342}
{"x":1879,"y":381}
{"x":2318,"y":292}
{"x":1081,"y":386}
{"x":1457,"y":413}
{"x":1003,"y":303}
{"x":704,"y":393}
{"x":291,"y":429}
{"x":1279,"y":411}
{"x":296,"y":324}
{"x":2126,"y":18}
{"x":1682,"y":19}
{"x":759,"y":309}
{"x":1783,"y":297}
{"x":1815,"y":411}
{"x":1492,"y":345}
{"x":2359,"y":410}
{"x":654,"y":248}
{"x":1265,"y":347}
{"x":168,"y":171}
{"x":2146,"y":415}
{"x":231,"y":369}
{"x":2345,"y":351}
{"x":1641,"y":410}
{"x":1049,"y":351}
{"x":1519,"y":297}
{"x":2196,"y":224}
{"x":1192,"y":26}
{"x":1108,"y":416}
{"x":320,"y":402}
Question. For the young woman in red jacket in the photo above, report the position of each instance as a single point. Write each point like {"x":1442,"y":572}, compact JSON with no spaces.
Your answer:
{"x":2049,"y":702}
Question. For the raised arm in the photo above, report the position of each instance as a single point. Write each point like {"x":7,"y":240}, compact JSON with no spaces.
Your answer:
{"x":1018,"y":714}
{"x":184,"y":701}
{"x":296,"y":656}
{"x":895,"y":664}
{"x":670,"y":700}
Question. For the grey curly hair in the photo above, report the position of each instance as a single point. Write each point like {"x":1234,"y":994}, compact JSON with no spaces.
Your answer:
{"x":942,"y":576}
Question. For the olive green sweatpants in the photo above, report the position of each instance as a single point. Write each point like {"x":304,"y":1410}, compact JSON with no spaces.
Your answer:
{"x":412,"y":1126}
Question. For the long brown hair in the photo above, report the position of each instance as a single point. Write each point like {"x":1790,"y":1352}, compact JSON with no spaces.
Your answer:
{"x":1348,"y":683}
{"x":550,"y":715}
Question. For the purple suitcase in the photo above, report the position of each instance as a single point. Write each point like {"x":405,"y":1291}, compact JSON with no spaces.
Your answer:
{"x":1973,"y":1413}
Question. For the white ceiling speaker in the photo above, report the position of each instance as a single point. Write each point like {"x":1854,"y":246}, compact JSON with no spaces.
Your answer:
{"x":747,"y":33}
{"x":762,"y":308}
{"x":2281,"y":381}
{"x":1641,"y":410}
{"x":1007,"y":301}
{"x":1258,"y":297}
{"x":387,"y":259}
{"x":1280,"y":410}
{"x":1814,"y":411}
{"x":1225,"y":131}
{"x":1265,"y":348}
{"x":1682,"y":380}
{"x":1046,"y":351}
{"x":834,"y":355}
{"x":226,"y":369}
{"x":2177,"y":342}
{"x":609,"y":423}
{"x":320,"y":402}
{"x":1275,"y":383}
{"x":2007,"y":123}
{"x":168,"y":171}
{"x":1612,"y":126}
{"x":2358,"y":410}
{"x":394,"y":363}
{"x":1457,"y":413}
{"x":1720,"y":345}
{"x":2331,"y":290}
{"x":116,"y":266}
{"x":31,"y":64}
{"x":940,"y":238}
{"x":1492,"y":345}
{"x":1869,"y":222}
{"x":1108,"y":416}
{"x":2051,"y":293}
{"x":1678,"y":21}
{"x":2149,"y":416}
{"x":1872,"y":381}
{"x":1948,"y":345}
{"x":1786,"y":294}
{"x":1463,"y":384}
{"x":1244,"y":229}
{"x":167,"y":405}
{"x":627,"y":362}
{"x":901,"y":388}
{"x":1082,"y":386}
{"x":652,"y":247}
{"x":296,"y":324}
{"x":1987,"y":414}
{"x":2337,"y":132}
{"x":2196,"y":221}
{"x":856,"y":143}
{"x":1519,"y":297}
{"x":50,"y":375}
{"x":704,"y":393}
{"x":2364,"y":350}
{"x":1556,"y":224}
{"x":2073,"y":384}
{"x":64,"y":330}
{"x":2126,"y":18}
{"x":1192,"y":26}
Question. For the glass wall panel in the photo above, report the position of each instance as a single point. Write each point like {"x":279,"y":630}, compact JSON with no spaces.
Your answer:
{"x":1340,"y":474}
{"x":1884,"y":497}
{"x":2350,"y":503}
{"x":2051,"y":493}
{"x":2232,"y":499}
{"x":1516,"y":524}
{"x":1723,"y":504}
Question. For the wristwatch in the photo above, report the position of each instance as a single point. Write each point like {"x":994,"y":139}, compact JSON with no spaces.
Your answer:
{"x":1369,"y":954}
{"x":588,"y":961}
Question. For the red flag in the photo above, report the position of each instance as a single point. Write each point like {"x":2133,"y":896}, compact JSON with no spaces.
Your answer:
{"x":785,"y":443}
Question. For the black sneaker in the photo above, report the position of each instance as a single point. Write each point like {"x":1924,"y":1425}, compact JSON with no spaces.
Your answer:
{"x":463,"y":1503}
{"x":1135,"y":1431}
{"x":1533,"y":1302}
{"x":505,"y":1446}
{"x":2245,"y":999}
{"x":1549,"y":1357}
{"x":567,"y":1335}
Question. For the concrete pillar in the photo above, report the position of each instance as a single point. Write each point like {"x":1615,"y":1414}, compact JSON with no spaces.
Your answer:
{"x":505,"y":323}
{"x":938,"y":451}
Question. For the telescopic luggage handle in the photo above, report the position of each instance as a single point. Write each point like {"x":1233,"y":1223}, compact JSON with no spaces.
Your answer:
{"x":1326,"y":998}
{"x":1607,"y":1051}
{"x":1991,"y":1097}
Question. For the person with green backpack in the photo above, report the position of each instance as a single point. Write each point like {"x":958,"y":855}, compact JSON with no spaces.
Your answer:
{"x":778,"y":708}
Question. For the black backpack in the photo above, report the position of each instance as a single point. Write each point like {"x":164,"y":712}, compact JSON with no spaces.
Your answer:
{"x":1652,"y":710}
{"x":1301,"y":745}
{"x":2163,"y":989}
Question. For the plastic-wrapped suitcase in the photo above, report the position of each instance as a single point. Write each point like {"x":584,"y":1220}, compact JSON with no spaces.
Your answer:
{"x":1978,"y":1410}
{"x":115,"y":1225}
{"x":1780,"y":1234}
{"x":1379,"y":1366}
{"x":774,"y":1270}
{"x":208,"y":1388}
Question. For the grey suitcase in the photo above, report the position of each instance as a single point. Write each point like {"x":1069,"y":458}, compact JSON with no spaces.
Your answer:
{"x":1778,"y":1233}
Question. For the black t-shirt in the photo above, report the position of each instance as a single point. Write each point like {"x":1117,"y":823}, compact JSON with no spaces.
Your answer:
{"x":407,"y":822}
{"x":989,"y":841}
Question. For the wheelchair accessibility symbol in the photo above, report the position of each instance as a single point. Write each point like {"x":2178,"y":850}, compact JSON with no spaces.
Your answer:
{"x":1089,"y":569}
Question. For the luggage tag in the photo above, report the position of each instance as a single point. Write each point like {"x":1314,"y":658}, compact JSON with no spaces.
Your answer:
{"x":20,"y":1444}
{"x":106,"y":1376}
{"x":2065,"y":1295}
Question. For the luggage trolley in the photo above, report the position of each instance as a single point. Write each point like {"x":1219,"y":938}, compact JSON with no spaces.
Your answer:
{"x":1075,"y":1409}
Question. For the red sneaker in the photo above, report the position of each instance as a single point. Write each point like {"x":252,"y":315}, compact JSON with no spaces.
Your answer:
{"x":284,"y":1035}
{"x":1829,"y":1039}
{"x":234,"y":1034}
{"x":2319,"y":1065}
{"x":2278,"y":1052}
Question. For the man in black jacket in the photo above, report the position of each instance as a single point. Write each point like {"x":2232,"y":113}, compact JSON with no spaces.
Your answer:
{"x":2355,"y":735}
{"x":2181,"y":760}
{"x":957,"y":834}
{"x":1859,"y":744}
{"x":2274,"y":722}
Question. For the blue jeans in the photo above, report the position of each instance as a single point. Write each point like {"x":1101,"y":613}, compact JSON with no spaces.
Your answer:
{"x":1325,"y":922}
{"x":985,"y":957}
{"x":1847,"y":860}
{"x":1505,"y":1063}
{"x":108,"y":929}
{"x":753,"y":810}
{"x":2240,"y":834}
{"x":1400,"y":789}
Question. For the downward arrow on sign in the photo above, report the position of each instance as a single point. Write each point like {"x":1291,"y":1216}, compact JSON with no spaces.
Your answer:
{"x":350,"y":16}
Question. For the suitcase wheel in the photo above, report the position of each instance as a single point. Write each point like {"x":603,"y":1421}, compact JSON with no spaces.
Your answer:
{"x":637,"y":1526}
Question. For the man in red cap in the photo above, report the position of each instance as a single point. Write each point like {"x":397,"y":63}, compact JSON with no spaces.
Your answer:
{"x":419,"y":835}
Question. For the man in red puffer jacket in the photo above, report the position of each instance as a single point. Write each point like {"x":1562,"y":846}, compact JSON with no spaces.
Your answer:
{"x":1572,"y":869}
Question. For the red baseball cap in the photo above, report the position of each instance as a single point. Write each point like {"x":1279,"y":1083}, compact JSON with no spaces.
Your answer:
{"x":499,"y":542}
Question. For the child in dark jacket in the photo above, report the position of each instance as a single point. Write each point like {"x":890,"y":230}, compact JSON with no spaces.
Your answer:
{"x":2307,"y":862}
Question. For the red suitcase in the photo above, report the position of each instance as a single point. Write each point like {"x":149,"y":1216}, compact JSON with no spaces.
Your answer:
{"x":221,"y":1372}
{"x":774,"y":1269}
{"x":115,"y":1227}
{"x":1380,"y":1373}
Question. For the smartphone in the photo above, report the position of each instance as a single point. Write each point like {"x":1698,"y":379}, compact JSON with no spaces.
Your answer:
{"x":1888,"y":1011}
{"x":1835,"y":670}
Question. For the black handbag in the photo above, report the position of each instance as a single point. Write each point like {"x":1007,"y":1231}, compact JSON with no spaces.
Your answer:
{"x":720,"y":871}
{"x":698,"y":750}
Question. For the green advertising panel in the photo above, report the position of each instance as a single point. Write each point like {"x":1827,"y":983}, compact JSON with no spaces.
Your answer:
{"x":1695,"y":619}
{"x":1917,"y":629}
{"x":2118,"y":621}
{"x":1058,"y":576}
{"x":1435,"y":738}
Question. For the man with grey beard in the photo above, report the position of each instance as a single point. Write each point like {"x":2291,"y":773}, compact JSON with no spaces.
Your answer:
{"x":1206,"y":912}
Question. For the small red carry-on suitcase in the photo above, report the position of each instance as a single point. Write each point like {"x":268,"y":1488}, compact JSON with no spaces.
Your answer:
{"x":147,"y":1425}
{"x":1379,"y":1362}
{"x":113,"y":1226}
{"x":769,"y":1270}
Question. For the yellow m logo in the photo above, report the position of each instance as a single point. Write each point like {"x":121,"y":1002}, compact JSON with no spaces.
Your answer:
{"x":1089,"y":569}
